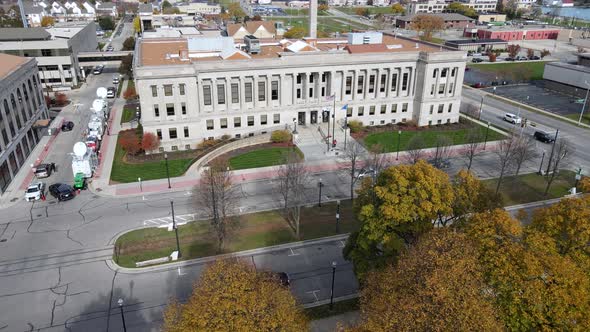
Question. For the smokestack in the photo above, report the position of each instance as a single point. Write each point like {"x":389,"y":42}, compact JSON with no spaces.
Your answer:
{"x":313,"y":18}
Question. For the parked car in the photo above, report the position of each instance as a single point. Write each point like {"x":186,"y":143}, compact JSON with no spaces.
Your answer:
{"x":116,"y":79}
{"x":98,"y":70}
{"x":509,"y":59}
{"x":61,"y":191}
{"x":521,"y":58}
{"x":99,"y":33}
{"x":111,"y":92}
{"x":35,"y":191}
{"x":477,"y":60}
{"x":478,"y":85}
{"x":512,"y":118}
{"x":366,"y":172}
{"x":440,"y":163}
{"x":67,"y":126}
{"x":110,"y":48}
{"x":44,"y":170}
{"x":535,"y":57}
{"x":544,"y":137}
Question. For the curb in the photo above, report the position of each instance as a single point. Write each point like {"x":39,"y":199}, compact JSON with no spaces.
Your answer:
{"x":204,"y":260}
{"x":327,"y":301}
{"x":539,"y":203}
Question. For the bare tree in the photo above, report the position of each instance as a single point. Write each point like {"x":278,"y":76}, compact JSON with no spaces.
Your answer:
{"x":354,"y":154}
{"x":377,"y":160}
{"x":415,"y":150}
{"x":470,"y":110}
{"x":442,"y":151}
{"x":293,"y":175}
{"x":217,"y":197}
{"x":473,"y":145}
{"x":505,"y":154}
{"x":562,"y":151}
{"x":524,"y":150}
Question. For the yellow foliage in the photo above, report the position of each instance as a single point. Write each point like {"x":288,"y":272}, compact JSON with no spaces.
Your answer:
{"x":47,"y":21}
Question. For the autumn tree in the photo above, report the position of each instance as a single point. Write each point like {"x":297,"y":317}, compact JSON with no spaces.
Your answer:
{"x":150,"y":142}
{"x":60,"y":99}
{"x":361,"y":11}
{"x":126,"y":67}
{"x":470,"y":196}
{"x":137,"y":24}
{"x":295,"y":33}
{"x":437,"y":285}
{"x":235,"y":10}
{"x":544,"y":53}
{"x":442,"y":151}
{"x":129,"y":44}
{"x":292,"y":178}
{"x":353,"y":154}
{"x":216,"y":196}
{"x":561,"y":151}
{"x":462,"y":9}
{"x":530,"y":53}
{"x":505,"y":157}
{"x":130,"y":142}
{"x":323,"y":7}
{"x":47,"y":21}
{"x":427,"y":24}
{"x":513,"y":50}
{"x":130,"y":93}
{"x":398,"y":8}
{"x":232,"y":296}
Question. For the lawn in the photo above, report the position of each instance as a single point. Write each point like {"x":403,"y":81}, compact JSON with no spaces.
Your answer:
{"x":123,"y":172}
{"x":530,"y":187}
{"x":576,"y":117}
{"x":267,"y":156}
{"x":248,"y":231}
{"x":388,"y":140}
{"x":529,"y":70}
{"x":128,"y":115}
{"x":372,"y":10}
{"x":325,"y":24}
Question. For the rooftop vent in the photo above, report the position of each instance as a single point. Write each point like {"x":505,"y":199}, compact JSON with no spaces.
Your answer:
{"x":365,"y":38}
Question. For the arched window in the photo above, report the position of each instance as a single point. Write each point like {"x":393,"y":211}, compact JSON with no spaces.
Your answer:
{"x":21,"y":104}
{"x":15,"y":110}
{"x":33,"y":93}
{"x":9,"y":119}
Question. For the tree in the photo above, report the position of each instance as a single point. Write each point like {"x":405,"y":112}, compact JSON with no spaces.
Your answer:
{"x":231,"y":296}
{"x":166,"y":4}
{"x":471,"y":196}
{"x":505,"y":154}
{"x":462,"y":9}
{"x":295,"y":33}
{"x":150,"y":142}
{"x":361,"y":11}
{"x":257,"y":18}
{"x":126,"y":67}
{"x":106,"y":23}
{"x":293,"y":175}
{"x":427,"y":24}
{"x":323,"y":7}
{"x":492,"y":56}
{"x":442,"y":152}
{"x":130,"y":93}
{"x":513,"y":50}
{"x":544,"y":53}
{"x":129,"y":142}
{"x":398,"y":8}
{"x":561,"y":151}
{"x":354,"y":153}
{"x":129,"y":44}
{"x":472,"y":145}
{"x":235,"y":11}
{"x":415,"y":148}
{"x":47,"y":21}
{"x":524,"y":150}
{"x":60,"y":99}
{"x":216,"y":196}
{"x":535,"y":12}
{"x":530,"y":53}
{"x":437,"y":285}
{"x":137,"y":24}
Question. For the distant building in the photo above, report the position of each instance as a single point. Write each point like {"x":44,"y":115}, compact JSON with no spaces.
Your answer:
{"x":66,"y":11}
{"x":509,"y":33}
{"x":198,"y":8}
{"x":568,"y":78}
{"x":440,"y":6}
{"x":452,"y":20}
{"x":259,"y":29}
{"x":485,"y":18}
{"x":22,"y":110}
{"x":477,"y":45}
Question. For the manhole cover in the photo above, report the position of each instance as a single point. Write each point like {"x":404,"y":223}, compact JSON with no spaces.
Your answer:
{"x":14,"y":199}
{"x":2,"y":240}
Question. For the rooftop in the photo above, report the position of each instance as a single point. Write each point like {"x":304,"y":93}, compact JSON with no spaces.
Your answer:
{"x":445,"y":16}
{"x":517,"y":28}
{"x":64,"y":32}
{"x":564,"y":65}
{"x":10,"y":63}
{"x":18,"y":34}
{"x":475,"y":41}
{"x":170,"y":51}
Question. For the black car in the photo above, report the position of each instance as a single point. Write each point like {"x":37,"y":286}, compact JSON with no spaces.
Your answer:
{"x":61,"y":191}
{"x":535,"y":57}
{"x":477,"y":60}
{"x":544,"y":137}
{"x":509,"y":59}
{"x":67,"y":126}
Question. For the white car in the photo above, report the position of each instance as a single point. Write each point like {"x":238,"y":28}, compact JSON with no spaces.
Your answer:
{"x":34,"y":191}
{"x":509,"y":117}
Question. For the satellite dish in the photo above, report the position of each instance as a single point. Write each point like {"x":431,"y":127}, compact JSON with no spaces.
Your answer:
{"x":98,"y":104}
{"x":101,"y":92}
{"x":80,"y":149}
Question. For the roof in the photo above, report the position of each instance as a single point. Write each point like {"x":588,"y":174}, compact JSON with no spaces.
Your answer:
{"x":251,"y":27}
{"x":10,"y":63}
{"x":444,"y":16}
{"x":145,"y":8}
{"x":563,"y":65}
{"x":30,"y":8}
{"x":475,"y":41}
{"x":16,"y":34}
{"x":367,"y":48}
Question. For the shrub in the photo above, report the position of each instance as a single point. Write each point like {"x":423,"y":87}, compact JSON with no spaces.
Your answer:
{"x":139,"y":131}
{"x":150,"y":142}
{"x":129,"y":142}
{"x":207,"y":143}
{"x":130,"y":93}
{"x":280,"y":136}
{"x":355,"y":126}
{"x":545,"y":53}
{"x":60,"y":99}
{"x":225,"y":137}
{"x":492,"y":57}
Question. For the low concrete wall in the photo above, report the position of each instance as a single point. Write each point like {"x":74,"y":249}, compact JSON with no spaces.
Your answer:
{"x":244,"y":142}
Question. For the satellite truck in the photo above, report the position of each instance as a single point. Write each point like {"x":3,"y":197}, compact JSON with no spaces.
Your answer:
{"x":84,"y":162}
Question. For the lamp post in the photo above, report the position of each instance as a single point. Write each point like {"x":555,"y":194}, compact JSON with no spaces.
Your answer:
{"x":399,"y":139}
{"x":584,"y":106}
{"x":334,"y":125}
{"x":320,"y":185}
{"x":140,"y":187}
{"x":167,"y":171}
{"x":481,"y":107}
{"x":120,"y":302}
{"x":332,"y":292}
{"x":486,"y":139}
{"x":337,"y":216}
{"x":541,"y":165}
{"x":494,"y":90}
{"x":175,"y":229}
{"x":326,"y":113}
{"x":295,"y":125}
{"x":345,"y":130}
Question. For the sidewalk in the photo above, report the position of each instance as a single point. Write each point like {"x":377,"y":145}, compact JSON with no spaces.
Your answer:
{"x":329,"y":324}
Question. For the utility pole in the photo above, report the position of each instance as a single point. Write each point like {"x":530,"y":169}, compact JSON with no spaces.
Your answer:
{"x":551,"y":155}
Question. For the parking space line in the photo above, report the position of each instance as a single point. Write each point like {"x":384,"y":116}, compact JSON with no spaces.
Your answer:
{"x":293,"y":253}
{"x":315,"y":294}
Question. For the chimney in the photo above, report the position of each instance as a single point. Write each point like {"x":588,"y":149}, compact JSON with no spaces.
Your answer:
{"x":313,"y":18}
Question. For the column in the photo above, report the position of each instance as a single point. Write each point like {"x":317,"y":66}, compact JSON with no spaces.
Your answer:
{"x":354,"y":83}
{"x":74,"y":74}
{"x":242,"y":91}
{"x":282,"y":90}
{"x":62,"y":76}
{"x":200,"y":98}
{"x":332,"y":85}
{"x":268,"y":88}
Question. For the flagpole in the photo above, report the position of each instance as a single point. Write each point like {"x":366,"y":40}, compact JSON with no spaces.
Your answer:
{"x":334,"y":124}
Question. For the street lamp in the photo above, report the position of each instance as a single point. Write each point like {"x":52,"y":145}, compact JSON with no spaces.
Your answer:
{"x":345,"y":130}
{"x":486,"y":139}
{"x":320,"y":185}
{"x":175,"y":229}
{"x":399,"y":138}
{"x":332,"y":292}
{"x":481,"y":107}
{"x":551,"y":155}
{"x":167,"y":171}
{"x":584,"y":106}
{"x":120,"y":302}
{"x":494,"y":90}
{"x":295,"y":125}
{"x":337,"y":216}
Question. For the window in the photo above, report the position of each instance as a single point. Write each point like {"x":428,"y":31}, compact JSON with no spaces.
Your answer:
{"x":250,"y":120}
{"x":431,"y":109}
{"x":174,"y":147}
{"x":443,"y":73}
{"x":237,"y":122}
{"x":383,"y":109}
{"x":209,"y":124}
{"x":274,"y":90}
{"x":154,"y":90}
{"x":276,"y":118}
{"x":393,"y":108}
{"x":311,"y":76}
{"x":361,"y":111}
{"x":439,"y":122}
{"x":382,"y":83}
{"x":181,"y":89}
{"x":450,"y":108}
{"x":323,"y":91}
{"x":360,"y":82}
{"x":45,"y":52}
{"x":220,"y":94}
{"x":371,"y":110}
{"x":235,"y":94}
{"x":298,"y":78}
{"x":261,"y":92}
{"x":159,"y":133}
{"x":404,"y":107}
{"x":298,"y":93}
{"x":371,"y":83}
{"x":248,"y":87}
{"x":207,"y":94}
{"x":349,"y":112}
{"x":186,"y":131}
{"x":263,"y":119}
{"x":187,"y":147}
{"x":448,"y":120}
{"x":434,"y":73}
{"x":172,"y":133}
{"x":451,"y":86}
{"x":393,"y":82}
{"x":170,"y":109}
{"x":223,"y":123}
{"x":323,"y":77}
{"x":441,"y":108}
{"x":453,"y":72}
{"x":432,"y":87}
{"x":156,"y":110}
{"x":405,"y":82}
{"x":183,"y":108}
{"x":441,"y":88}
{"x":168,"y":90}
{"x":348,"y":90}
{"x":310,"y":92}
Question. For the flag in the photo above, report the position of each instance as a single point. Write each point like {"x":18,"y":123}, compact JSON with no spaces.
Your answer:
{"x":331,"y":98}
{"x":344,"y":108}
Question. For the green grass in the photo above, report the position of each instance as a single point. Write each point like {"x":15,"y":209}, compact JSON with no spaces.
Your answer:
{"x":300,"y":12}
{"x":124,"y":173}
{"x":528,"y":188}
{"x":531,"y":70}
{"x":325,"y":24}
{"x":435,"y":40}
{"x":261,"y":158}
{"x":128,"y":115}
{"x":576,"y":117}
{"x":120,"y":86}
{"x":340,"y":307}
{"x":388,"y":140}
{"x":372,"y":10}
{"x":248,"y":231}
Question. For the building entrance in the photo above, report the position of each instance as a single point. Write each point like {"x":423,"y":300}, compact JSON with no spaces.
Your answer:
{"x":313,"y":117}
{"x":301,"y":118}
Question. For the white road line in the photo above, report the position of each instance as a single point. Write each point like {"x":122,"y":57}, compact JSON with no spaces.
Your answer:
{"x":342,"y":244}
{"x":293,"y":253}
{"x":314,"y":293}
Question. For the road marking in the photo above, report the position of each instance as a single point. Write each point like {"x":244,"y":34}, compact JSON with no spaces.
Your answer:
{"x":180,"y":273}
{"x":314,"y":293}
{"x":293,"y":253}
{"x":166,"y":222}
{"x":342,"y":244}
{"x":143,"y":198}
{"x":188,"y":193}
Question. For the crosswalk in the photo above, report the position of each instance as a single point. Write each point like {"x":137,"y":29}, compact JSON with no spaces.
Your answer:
{"x":166,"y":222}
